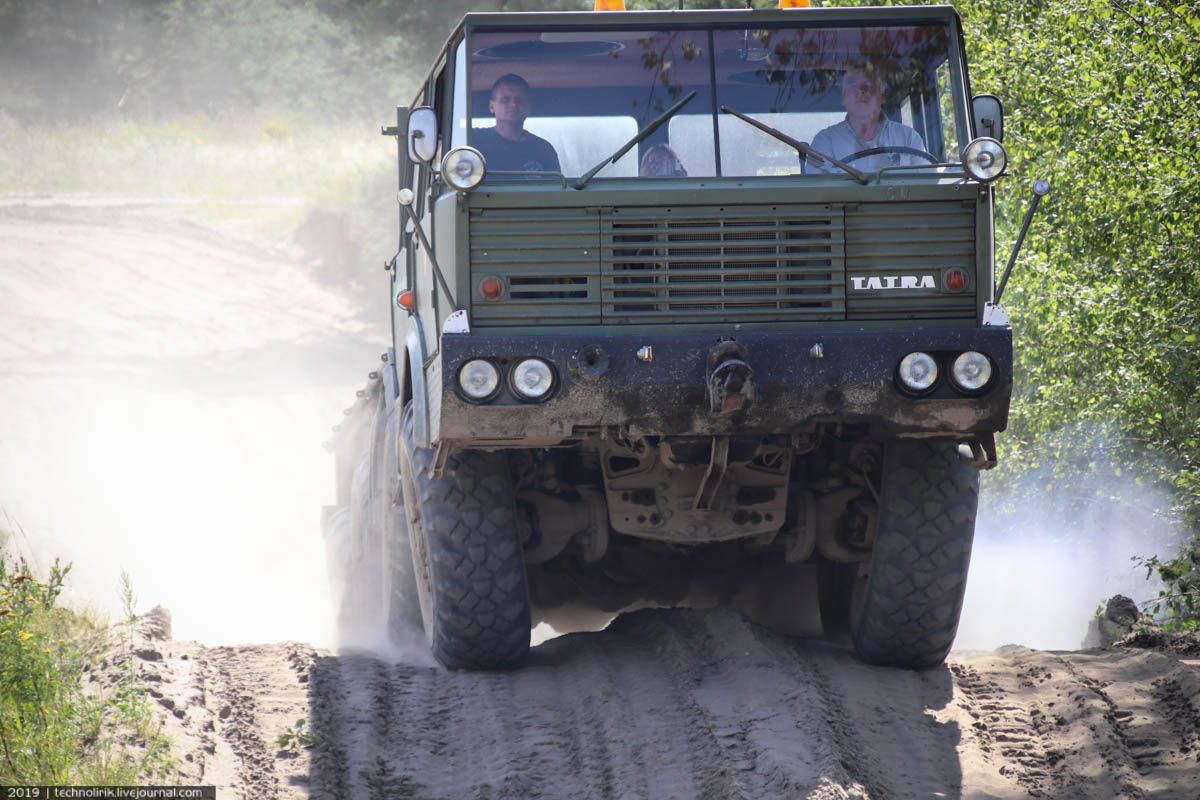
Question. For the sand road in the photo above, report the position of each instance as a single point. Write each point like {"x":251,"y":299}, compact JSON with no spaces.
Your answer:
{"x":164,"y":390}
{"x":687,"y":704}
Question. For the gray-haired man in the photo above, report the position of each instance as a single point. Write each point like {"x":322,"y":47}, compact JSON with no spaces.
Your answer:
{"x":864,"y":128}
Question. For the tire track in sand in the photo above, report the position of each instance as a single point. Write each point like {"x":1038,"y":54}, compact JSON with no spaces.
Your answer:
{"x":257,"y":692}
{"x":702,"y":704}
{"x":1116,"y":724}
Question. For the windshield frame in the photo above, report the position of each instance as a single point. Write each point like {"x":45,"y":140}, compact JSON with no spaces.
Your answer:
{"x":738,"y":19}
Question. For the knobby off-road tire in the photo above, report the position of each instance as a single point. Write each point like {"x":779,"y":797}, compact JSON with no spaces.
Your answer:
{"x":467,"y":556}
{"x":906,"y":610}
{"x":401,"y":603}
{"x":376,"y":590}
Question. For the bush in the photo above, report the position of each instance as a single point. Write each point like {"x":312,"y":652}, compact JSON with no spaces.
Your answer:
{"x":38,"y":709}
{"x":52,"y":732}
{"x":1177,"y":606}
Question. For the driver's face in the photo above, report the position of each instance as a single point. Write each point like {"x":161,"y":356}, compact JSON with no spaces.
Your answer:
{"x":510,"y":104}
{"x":861,"y":95}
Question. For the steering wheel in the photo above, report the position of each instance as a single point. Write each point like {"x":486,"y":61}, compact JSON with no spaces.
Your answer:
{"x":911,"y":151}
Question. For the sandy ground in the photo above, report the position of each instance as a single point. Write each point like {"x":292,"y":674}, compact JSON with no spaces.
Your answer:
{"x":684,"y":704}
{"x":164,"y":391}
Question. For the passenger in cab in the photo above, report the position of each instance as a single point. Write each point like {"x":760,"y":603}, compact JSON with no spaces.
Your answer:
{"x":865,"y":127}
{"x":508,"y":146}
{"x":660,"y":161}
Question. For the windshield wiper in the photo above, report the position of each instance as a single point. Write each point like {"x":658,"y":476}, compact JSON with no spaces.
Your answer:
{"x":637,"y":137}
{"x":801,"y":148}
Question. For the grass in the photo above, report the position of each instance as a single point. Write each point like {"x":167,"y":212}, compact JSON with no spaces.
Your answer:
{"x":52,"y":731}
{"x":257,"y":176}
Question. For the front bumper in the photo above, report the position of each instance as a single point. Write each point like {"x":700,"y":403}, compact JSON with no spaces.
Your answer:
{"x":601,"y":383}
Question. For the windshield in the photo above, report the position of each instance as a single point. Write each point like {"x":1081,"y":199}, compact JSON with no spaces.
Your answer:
{"x":563,"y":101}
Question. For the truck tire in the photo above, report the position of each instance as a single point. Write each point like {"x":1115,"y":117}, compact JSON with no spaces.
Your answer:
{"x":905,"y":609}
{"x":401,"y":603}
{"x":467,"y":556}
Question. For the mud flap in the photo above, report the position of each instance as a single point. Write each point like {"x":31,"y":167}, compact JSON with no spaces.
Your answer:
{"x":782,"y":597}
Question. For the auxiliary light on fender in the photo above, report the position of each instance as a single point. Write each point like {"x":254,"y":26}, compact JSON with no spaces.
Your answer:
{"x":954,"y":280}
{"x":795,"y":3}
{"x":491,"y":287}
{"x":609,"y":5}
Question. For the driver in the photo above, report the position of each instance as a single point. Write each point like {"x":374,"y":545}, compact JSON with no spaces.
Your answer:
{"x":865,"y":127}
{"x":508,"y":146}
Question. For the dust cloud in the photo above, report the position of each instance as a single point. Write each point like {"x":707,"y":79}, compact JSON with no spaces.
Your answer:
{"x":1040,"y":570}
{"x":164,"y":402}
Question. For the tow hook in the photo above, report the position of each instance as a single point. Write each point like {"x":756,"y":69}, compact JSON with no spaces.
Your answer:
{"x":730,"y":378}
{"x":983,"y":451}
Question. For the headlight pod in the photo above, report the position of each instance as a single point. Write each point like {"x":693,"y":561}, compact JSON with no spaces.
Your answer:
{"x":971,"y":371}
{"x":479,"y":379}
{"x":532,"y":379}
{"x":918,"y":372}
{"x":463,"y":168}
{"x":985,"y":159}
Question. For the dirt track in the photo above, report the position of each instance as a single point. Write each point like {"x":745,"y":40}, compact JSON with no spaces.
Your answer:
{"x":689,"y":704}
{"x":663,"y":704}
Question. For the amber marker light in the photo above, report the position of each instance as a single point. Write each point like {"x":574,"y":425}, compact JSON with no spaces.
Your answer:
{"x":491,"y":287}
{"x":955,"y":280}
{"x":406,"y":300}
{"x":795,"y":3}
{"x":609,"y":5}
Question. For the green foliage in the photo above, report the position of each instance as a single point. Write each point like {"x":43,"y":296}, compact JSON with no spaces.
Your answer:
{"x":51,"y":730}
{"x":1178,"y":603}
{"x":150,"y":58}
{"x":312,"y":58}
{"x":34,"y":700}
{"x":295,"y":737}
{"x":1103,"y":99}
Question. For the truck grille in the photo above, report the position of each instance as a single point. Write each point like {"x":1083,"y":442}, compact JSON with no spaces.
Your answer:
{"x":691,"y":266}
{"x":781,"y":263}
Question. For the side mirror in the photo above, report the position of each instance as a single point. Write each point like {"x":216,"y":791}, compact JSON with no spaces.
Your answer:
{"x":422,"y":135}
{"x":989,"y":116}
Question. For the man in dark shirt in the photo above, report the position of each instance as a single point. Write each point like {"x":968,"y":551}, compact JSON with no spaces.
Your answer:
{"x":508,"y":146}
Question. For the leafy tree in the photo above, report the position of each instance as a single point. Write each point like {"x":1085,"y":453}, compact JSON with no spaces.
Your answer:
{"x":1104,"y":99}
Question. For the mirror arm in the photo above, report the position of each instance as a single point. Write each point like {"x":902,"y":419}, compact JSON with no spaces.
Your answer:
{"x":1040,"y":189}
{"x":437,"y":270}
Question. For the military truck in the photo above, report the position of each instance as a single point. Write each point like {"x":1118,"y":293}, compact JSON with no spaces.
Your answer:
{"x":764,"y":370}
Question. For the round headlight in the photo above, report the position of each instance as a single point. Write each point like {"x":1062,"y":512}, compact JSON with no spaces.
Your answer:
{"x":463,"y":168}
{"x":479,"y":379}
{"x":918,"y":371}
{"x":532,"y":378}
{"x":985,"y":159}
{"x":972,"y":371}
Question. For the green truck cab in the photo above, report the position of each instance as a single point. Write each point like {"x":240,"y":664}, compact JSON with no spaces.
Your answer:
{"x":675,"y":320}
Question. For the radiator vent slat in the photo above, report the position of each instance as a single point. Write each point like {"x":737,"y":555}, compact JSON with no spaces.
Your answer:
{"x":723,"y":265}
